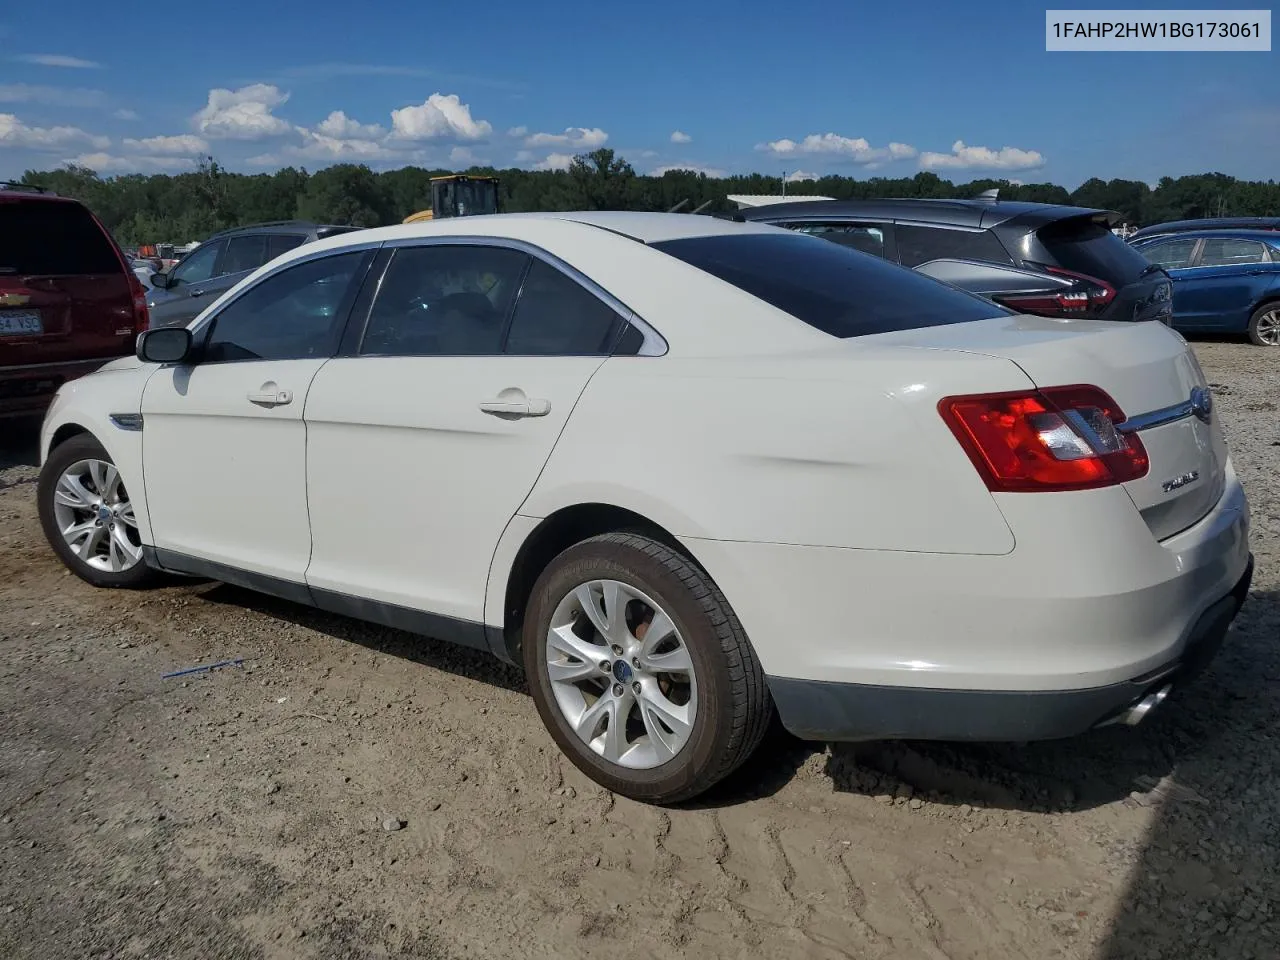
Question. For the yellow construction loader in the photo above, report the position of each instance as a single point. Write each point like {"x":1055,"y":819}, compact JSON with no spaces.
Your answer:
{"x":459,"y":195}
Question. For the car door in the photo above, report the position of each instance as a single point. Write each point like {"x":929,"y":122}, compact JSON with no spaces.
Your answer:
{"x":224,"y":444}
{"x":425,"y":440}
{"x":1176,"y":255}
{"x":178,"y":303}
{"x":1225,"y":283}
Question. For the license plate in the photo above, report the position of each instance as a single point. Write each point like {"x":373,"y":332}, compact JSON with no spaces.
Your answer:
{"x":17,"y":323}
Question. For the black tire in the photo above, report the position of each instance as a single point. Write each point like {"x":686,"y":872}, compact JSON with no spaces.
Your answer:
{"x":63,"y":456}
{"x":1256,"y":334}
{"x":733,"y":709}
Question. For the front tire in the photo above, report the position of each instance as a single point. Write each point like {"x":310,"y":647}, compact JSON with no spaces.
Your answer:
{"x":641,"y":671}
{"x":1264,"y":325}
{"x":87,"y":516}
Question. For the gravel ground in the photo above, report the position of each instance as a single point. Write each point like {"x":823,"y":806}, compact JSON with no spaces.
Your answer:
{"x":350,"y":791}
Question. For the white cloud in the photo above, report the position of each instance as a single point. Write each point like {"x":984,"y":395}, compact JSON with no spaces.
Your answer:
{"x":243,"y":114}
{"x":440,"y":117}
{"x":317,"y":146}
{"x":555,"y":161}
{"x":339,"y":125}
{"x":126,"y":114}
{"x":577,"y":138}
{"x":963,"y":157}
{"x":57,"y":60}
{"x":795,"y":176}
{"x":107,"y":163}
{"x":51,"y":96}
{"x":461,"y":155}
{"x":517,"y":131}
{"x":15,"y":133}
{"x":851,"y":149}
{"x":182,"y":145}
{"x":679,"y":136}
{"x":688,"y":168}
{"x":524,"y":156}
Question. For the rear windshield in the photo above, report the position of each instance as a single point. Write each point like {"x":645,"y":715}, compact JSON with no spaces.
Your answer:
{"x":832,"y":287}
{"x":1084,"y":246}
{"x":50,"y":237}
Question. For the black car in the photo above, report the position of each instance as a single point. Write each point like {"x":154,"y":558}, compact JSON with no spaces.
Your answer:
{"x":1210,"y":223}
{"x":222,"y":261}
{"x":1040,"y":258}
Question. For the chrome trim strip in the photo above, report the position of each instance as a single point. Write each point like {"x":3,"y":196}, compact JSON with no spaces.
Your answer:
{"x":1157,"y":418}
{"x":654,"y":344}
{"x":126,"y":421}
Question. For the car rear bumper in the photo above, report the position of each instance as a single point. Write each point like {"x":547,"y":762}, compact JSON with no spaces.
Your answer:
{"x":26,"y":390}
{"x":819,"y":710}
{"x":1075,"y":623}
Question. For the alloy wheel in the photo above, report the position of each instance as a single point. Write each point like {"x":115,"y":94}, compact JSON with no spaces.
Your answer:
{"x":621,"y":674}
{"x":1268,"y":327}
{"x":95,"y":517}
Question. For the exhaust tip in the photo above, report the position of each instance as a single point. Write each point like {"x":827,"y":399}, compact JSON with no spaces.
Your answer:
{"x":1139,"y":711}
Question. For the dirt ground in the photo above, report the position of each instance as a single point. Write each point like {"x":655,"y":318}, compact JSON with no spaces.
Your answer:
{"x":240,"y":813}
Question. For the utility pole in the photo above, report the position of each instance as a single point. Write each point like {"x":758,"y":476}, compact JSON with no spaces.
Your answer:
{"x":784,"y":183}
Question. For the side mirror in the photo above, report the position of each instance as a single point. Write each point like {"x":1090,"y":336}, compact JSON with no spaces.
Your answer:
{"x":164,"y":345}
{"x":161,"y":280}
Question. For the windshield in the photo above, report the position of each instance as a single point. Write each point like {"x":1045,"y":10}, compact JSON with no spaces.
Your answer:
{"x":832,"y":287}
{"x":466,"y":198}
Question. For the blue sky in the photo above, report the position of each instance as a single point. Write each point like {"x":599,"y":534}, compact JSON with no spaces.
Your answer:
{"x":814,"y":86}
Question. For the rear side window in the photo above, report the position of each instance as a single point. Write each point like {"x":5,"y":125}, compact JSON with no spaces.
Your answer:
{"x":1082,"y":245}
{"x":917,"y":245}
{"x":1227,"y":253}
{"x":52,"y":237}
{"x":556,"y":316}
{"x":1170,"y":254}
{"x":864,"y":237}
{"x":837,"y":290}
{"x":278,"y":243}
{"x":246,"y":252}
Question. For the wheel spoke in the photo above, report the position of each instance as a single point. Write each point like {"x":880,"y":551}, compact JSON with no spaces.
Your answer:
{"x":71,"y":492}
{"x":676,"y":717}
{"x":562,"y":671}
{"x":659,"y":629}
{"x":89,"y":545}
{"x":589,"y":722}
{"x":615,"y":735}
{"x":111,"y":493}
{"x":98,"y":474}
{"x":658,"y":737}
{"x":123,"y":552}
{"x":670,"y":661}
{"x":126,"y":514}
{"x":564,"y":641}
{"x":615,"y":602}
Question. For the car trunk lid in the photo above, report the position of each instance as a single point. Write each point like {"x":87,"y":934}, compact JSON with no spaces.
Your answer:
{"x":1150,"y":372}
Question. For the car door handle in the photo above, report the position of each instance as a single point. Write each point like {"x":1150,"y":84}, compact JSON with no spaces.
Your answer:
{"x":269,"y":396}
{"x":197,"y":293}
{"x":516,"y":410}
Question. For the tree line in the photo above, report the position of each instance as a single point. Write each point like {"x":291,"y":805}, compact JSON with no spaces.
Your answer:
{"x":178,"y":208}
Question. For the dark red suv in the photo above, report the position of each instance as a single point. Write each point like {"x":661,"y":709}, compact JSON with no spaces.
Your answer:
{"x":68,"y":300}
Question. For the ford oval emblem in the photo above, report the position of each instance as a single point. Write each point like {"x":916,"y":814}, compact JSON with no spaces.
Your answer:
{"x":1202,"y":403}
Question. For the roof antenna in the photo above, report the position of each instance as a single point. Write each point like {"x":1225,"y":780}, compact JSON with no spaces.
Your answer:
{"x":993,"y":194}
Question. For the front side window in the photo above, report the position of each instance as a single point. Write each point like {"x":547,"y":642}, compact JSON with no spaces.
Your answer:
{"x":247,"y":252}
{"x":1228,"y":253}
{"x":278,"y":243}
{"x":832,"y":288}
{"x":917,"y":245}
{"x":296,"y":314}
{"x":1170,"y":254}
{"x":864,"y":237}
{"x":556,"y":316}
{"x":199,"y":266}
{"x":441,"y":300}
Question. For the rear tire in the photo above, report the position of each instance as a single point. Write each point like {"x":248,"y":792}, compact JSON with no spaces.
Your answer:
{"x":692,"y":704}
{"x":1264,"y":325}
{"x":87,"y":516}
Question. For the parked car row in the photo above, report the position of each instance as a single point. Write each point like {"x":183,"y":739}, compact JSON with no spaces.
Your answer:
{"x":690,"y":473}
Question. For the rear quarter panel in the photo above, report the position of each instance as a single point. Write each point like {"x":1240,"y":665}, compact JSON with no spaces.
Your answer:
{"x":841,"y":448}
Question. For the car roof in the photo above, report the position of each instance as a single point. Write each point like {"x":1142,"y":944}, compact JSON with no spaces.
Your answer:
{"x":278,"y":226}
{"x":956,"y":213}
{"x":1227,"y":233}
{"x":1208,"y":223}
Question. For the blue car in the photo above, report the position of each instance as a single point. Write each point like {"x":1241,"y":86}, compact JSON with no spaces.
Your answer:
{"x":1224,"y":281}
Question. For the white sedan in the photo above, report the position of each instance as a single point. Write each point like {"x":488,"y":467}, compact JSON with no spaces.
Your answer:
{"x":689,"y":472}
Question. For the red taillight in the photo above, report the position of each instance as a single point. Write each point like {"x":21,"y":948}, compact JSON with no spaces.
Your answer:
{"x":1059,"y":438}
{"x":141,"y":318}
{"x":1086,"y":294}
